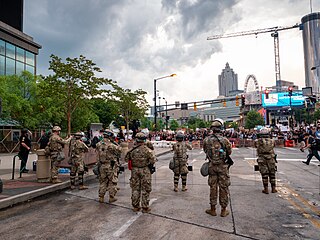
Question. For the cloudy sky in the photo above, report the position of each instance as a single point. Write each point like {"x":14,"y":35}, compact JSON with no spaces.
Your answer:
{"x":136,"y":41}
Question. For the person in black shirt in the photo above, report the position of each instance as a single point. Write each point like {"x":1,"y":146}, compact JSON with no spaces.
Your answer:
{"x":311,"y":143}
{"x":44,"y":139}
{"x":25,"y":146}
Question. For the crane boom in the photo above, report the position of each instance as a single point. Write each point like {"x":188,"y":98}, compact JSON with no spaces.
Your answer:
{"x":252,"y":32}
{"x":274,"y":34}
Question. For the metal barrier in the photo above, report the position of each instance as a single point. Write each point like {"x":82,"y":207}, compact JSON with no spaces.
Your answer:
{"x":14,"y":165}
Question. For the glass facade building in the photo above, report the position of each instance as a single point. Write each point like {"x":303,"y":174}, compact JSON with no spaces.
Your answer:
{"x":14,"y":59}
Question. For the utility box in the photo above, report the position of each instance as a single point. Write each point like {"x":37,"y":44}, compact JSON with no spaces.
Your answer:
{"x":43,"y":166}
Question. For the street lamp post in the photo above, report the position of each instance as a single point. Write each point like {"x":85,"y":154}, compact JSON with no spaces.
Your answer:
{"x":155,"y":96}
{"x":166,"y":112}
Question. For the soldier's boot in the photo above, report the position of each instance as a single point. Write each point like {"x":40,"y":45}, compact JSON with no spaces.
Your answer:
{"x":265,"y":190}
{"x":136,"y":209}
{"x":273,"y":188}
{"x":224,"y":212}
{"x":101,"y":199}
{"x":175,"y":188}
{"x":184,"y":188}
{"x":212,"y":211}
{"x":56,"y":180}
{"x":72,"y":180}
{"x":112,"y":199}
{"x":83,"y":187}
{"x":146,"y":210}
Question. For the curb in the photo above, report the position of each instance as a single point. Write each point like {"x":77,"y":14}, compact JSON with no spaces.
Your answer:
{"x":23,"y":197}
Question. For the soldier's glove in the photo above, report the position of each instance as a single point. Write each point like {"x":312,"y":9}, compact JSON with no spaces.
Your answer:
{"x":112,"y":164}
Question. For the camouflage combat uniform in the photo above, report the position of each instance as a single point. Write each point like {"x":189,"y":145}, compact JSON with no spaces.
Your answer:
{"x":266,"y":161}
{"x":78,"y":148}
{"x":56,"y":144}
{"x":108,"y":153}
{"x":180,"y":161}
{"x":218,"y":169}
{"x":140,"y":181}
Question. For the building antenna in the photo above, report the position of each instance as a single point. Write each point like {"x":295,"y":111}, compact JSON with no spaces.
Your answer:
{"x":311,"y":6}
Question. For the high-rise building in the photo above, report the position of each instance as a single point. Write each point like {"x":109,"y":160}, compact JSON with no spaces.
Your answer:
{"x":18,"y":51}
{"x":228,"y":82}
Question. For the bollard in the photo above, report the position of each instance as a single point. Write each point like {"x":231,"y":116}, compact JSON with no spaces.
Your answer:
{"x":43,"y":166}
{"x":124,"y":150}
{"x":13,"y":167}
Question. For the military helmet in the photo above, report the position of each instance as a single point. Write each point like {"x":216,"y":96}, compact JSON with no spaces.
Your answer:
{"x":179,"y":136}
{"x":56,"y":128}
{"x":140,"y":137}
{"x":78,"y":135}
{"x":108,"y":133}
{"x":217,"y":123}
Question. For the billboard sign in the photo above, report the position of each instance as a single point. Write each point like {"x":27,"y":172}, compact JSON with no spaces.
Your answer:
{"x":282,"y":99}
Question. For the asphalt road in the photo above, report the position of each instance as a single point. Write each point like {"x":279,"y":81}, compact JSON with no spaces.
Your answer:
{"x":292,"y":213}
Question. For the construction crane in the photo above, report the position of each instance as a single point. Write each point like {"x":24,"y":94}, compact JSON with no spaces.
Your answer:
{"x":275,"y":36}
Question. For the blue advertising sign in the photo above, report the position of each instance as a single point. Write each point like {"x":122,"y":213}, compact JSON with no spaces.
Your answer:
{"x":282,"y":99}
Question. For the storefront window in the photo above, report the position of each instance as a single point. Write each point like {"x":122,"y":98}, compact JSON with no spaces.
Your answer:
{"x":10,"y":66}
{"x":10,"y":51}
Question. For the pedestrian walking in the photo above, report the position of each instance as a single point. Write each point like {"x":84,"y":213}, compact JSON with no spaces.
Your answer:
{"x":76,"y":160}
{"x":314,"y":146}
{"x":25,"y":147}
{"x":266,"y":160}
{"x":108,"y":153}
{"x":55,"y":145}
{"x":217,"y":149}
{"x":180,"y":162}
{"x":142,"y":159}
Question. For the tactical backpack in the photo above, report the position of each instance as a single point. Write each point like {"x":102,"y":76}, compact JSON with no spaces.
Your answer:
{"x":216,"y":153}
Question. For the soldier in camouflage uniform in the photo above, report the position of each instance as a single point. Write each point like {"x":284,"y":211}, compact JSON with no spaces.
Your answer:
{"x":140,"y":182}
{"x":77,"y":150}
{"x":180,"y":161}
{"x":217,"y":149}
{"x":56,"y":144}
{"x":266,"y":160}
{"x":108,"y":153}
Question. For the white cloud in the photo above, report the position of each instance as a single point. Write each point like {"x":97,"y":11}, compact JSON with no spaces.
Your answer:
{"x":136,"y":41}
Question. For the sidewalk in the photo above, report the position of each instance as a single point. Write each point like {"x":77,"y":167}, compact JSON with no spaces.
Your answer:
{"x":27,"y":187}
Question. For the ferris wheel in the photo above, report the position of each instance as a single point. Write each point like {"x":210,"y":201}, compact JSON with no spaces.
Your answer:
{"x":251,"y":84}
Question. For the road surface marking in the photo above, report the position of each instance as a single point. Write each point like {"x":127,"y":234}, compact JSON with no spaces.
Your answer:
{"x":125,"y":226}
{"x":280,"y":159}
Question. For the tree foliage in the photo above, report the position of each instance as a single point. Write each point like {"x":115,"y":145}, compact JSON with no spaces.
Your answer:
{"x":131,"y":105}
{"x":72,"y":83}
{"x":253,"y":119}
{"x":174,"y":125}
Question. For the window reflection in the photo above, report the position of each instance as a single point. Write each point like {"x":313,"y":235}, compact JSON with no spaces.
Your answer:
{"x":10,"y":50}
{"x":2,"y":47}
{"x":2,"y":64}
{"x":19,"y":67}
{"x":10,"y":66}
{"x":29,"y":58}
{"x":30,"y":69}
{"x":20,"y":54}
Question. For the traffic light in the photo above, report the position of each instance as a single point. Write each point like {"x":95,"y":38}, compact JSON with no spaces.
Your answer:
{"x":243,"y":100}
{"x":237,"y":101}
{"x":224,"y":103}
{"x":184,"y":106}
{"x":267,"y":93}
{"x":195,"y":106}
{"x":290,"y":91}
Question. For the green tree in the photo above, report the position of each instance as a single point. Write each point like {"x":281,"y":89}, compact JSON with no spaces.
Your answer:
{"x":72,"y":82}
{"x":106,"y":110}
{"x":253,"y":119}
{"x":131,"y":105}
{"x":174,"y":125}
{"x":146,"y":123}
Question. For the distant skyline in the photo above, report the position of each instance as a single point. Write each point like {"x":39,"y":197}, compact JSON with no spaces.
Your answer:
{"x":135,"y":41}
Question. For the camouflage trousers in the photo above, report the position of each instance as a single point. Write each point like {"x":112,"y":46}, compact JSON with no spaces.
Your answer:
{"x":108,"y":181}
{"x":140,"y":183}
{"x":267,"y":170}
{"x":77,"y":166}
{"x":54,"y":168}
{"x":219,"y":180}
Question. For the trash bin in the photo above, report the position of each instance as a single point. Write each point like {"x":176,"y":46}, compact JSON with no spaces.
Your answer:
{"x":43,"y":167}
